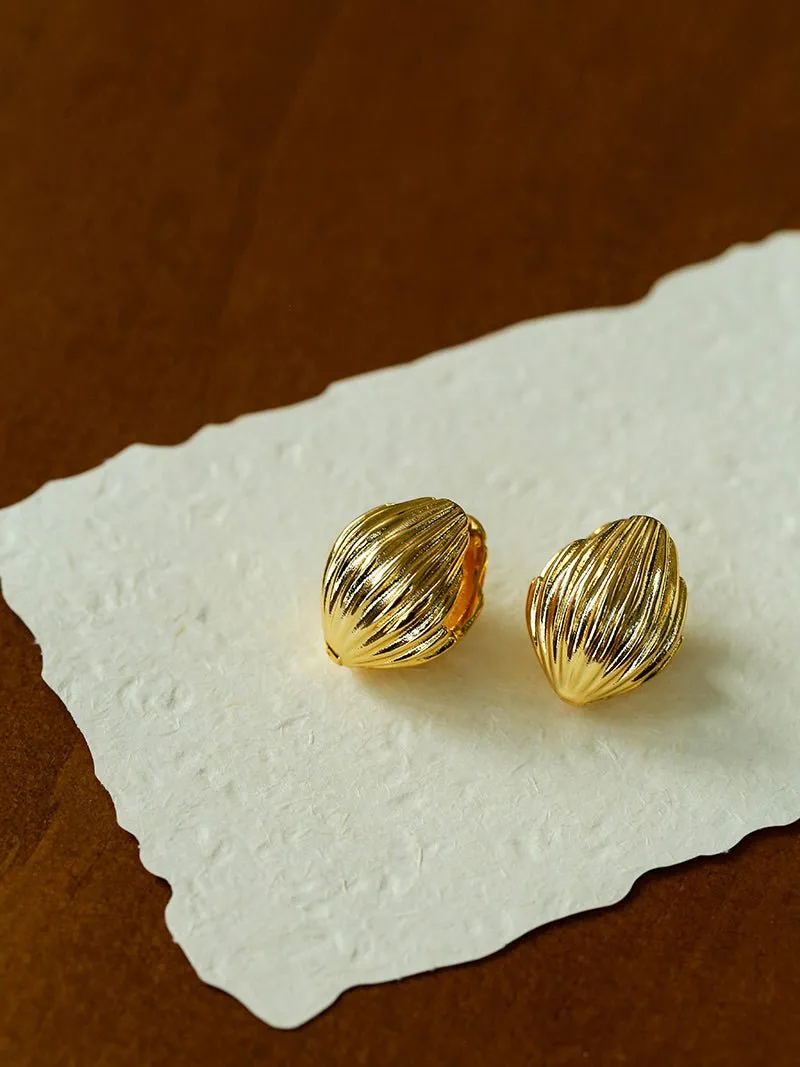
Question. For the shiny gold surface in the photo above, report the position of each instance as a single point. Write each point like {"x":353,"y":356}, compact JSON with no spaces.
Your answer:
{"x":608,"y":611}
{"x":402,"y":584}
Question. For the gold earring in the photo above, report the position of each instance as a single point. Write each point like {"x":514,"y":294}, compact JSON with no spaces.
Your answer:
{"x":402,"y":584}
{"x":607,"y":613}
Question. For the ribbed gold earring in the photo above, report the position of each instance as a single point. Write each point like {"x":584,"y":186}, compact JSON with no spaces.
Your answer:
{"x":403,"y":583}
{"x":607,"y":613}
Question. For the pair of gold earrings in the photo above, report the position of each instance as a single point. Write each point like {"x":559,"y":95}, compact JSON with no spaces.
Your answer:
{"x":404,"y":582}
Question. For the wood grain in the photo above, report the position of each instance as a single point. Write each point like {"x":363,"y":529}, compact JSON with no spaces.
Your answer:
{"x":211,"y":208}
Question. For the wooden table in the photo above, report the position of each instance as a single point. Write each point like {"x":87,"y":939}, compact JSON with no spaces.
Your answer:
{"x":209,"y":208}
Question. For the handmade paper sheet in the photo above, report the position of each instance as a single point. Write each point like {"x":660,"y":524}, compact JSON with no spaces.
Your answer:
{"x":322,"y":828}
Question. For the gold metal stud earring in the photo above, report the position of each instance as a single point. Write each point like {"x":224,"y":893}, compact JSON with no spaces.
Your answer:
{"x":607,"y":613}
{"x":402,"y":584}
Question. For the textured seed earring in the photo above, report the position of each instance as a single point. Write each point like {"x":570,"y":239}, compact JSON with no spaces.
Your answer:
{"x":608,"y":611}
{"x":402,"y":584}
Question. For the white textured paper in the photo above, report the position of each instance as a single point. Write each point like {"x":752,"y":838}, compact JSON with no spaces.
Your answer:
{"x":322,"y":828}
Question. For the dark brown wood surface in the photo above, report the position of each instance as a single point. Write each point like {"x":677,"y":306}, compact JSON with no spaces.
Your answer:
{"x":214,"y":207}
